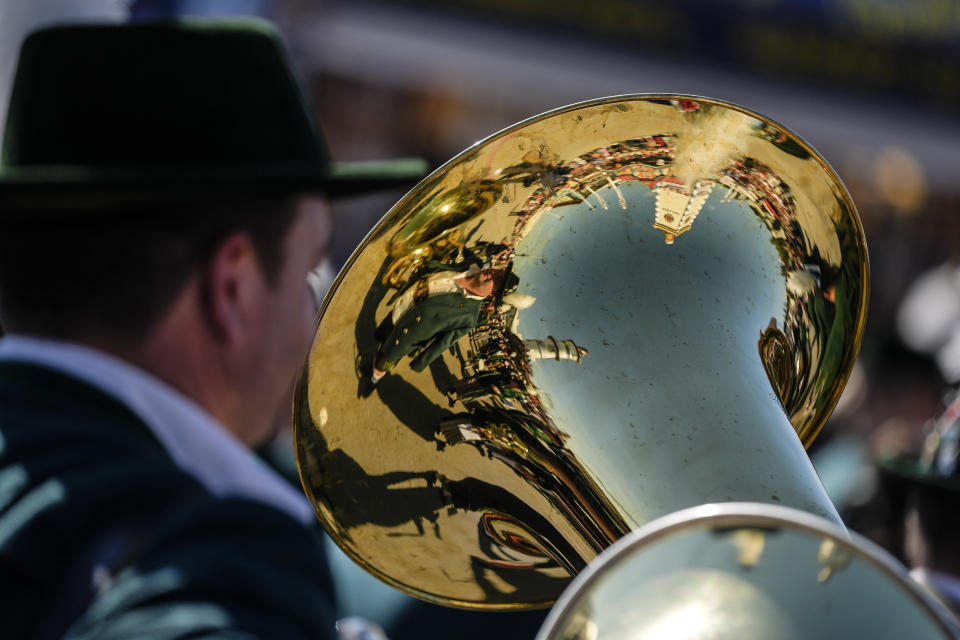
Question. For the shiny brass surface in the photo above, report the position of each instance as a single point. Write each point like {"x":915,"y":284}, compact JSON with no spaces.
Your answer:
{"x":734,"y":571}
{"x":678,"y":293}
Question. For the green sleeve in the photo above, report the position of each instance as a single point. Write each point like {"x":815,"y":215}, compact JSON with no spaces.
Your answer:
{"x":435,"y":349}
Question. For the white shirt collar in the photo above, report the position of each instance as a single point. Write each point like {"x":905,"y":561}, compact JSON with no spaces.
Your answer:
{"x":198,"y":443}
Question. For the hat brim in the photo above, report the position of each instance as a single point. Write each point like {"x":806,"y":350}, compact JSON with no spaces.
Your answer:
{"x":909,"y":471}
{"x":82,"y":190}
{"x":354,"y":178}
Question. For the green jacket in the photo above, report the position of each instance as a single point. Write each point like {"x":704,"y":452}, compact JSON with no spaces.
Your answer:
{"x":431,"y":326}
{"x":103,"y":536}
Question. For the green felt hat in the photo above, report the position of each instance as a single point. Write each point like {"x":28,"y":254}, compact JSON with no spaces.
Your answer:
{"x":938,"y":465}
{"x":107,"y":116}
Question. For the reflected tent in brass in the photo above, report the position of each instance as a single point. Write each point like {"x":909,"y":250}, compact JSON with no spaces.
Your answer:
{"x":594,"y":318}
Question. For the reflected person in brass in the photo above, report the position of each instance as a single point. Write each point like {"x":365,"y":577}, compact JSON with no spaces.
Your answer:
{"x":435,"y":312}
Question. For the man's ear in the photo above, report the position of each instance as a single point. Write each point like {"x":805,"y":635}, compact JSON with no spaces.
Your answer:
{"x":233,"y":287}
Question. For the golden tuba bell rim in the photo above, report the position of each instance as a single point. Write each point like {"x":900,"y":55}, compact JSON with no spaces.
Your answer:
{"x":806,"y":433}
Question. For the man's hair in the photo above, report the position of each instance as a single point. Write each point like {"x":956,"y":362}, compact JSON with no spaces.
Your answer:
{"x":497,"y":276}
{"x":114,"y":276}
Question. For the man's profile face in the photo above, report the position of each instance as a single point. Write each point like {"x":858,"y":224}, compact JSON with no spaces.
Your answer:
{"x":287,"y":315}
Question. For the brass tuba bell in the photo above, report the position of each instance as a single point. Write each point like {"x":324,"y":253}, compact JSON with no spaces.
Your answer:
{"x":596,"y":317}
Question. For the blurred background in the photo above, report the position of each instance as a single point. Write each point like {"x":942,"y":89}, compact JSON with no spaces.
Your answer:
{"x":874,"y":85}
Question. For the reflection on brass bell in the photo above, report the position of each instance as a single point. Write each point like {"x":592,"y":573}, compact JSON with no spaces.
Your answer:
{"x":664,"y":236}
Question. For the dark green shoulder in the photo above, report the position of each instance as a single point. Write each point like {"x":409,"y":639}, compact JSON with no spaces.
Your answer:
{"x":219,"y":568}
